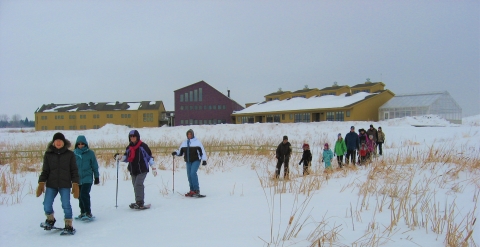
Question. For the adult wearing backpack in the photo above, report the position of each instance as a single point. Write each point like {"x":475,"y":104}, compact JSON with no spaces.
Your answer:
{"x":139,"y":158}
{"x":353,"y":143}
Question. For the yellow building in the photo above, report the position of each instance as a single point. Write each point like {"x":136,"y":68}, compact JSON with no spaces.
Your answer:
{"x":336,"y":104}
{"x":83,"y":116}
{"x":279,"y":95}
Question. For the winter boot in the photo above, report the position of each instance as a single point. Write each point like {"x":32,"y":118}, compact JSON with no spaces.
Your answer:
{"x":190,"y":194}
{"x":49,"y":222}
{"x":69,"y":227}
{"x":80,"y":216}
{"x":132,"y":205}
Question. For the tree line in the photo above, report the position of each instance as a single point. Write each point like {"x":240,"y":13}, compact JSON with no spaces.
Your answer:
{"x":15,"y":121}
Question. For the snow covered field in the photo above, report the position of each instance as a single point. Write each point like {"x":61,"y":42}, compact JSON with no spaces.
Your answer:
{"x":422,"y":192}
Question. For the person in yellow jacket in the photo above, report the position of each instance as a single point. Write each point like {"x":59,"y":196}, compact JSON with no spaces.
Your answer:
{"x":340,"y":150}
{"x":59,"y":175}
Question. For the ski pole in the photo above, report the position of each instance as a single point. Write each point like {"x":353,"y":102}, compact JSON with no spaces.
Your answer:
{"x":116,"y":197}
{"x":173,"y":170}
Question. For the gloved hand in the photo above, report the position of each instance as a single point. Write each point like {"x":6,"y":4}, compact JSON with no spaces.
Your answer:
{"x":299,"y":163}
{"x":40,"y":188}
{"x":115,"y":156}
{"x":97,"y":181}
{"x":174,"y":153}
{"x":204,"y":163}
{"x":75,"y":190}
{"x":322,"y":160}
{"x":151,"y":162}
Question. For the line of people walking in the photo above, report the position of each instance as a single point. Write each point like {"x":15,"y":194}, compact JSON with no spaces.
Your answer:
{"x":357,"y":149}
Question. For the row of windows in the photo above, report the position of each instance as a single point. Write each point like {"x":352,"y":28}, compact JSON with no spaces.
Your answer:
{"x":199,"y":122}
{"x":332,"y":93}
{"x":297,"y":118}
{"x":205,"y":107}
{"x":83,"y":116}
{"x":192,"y":96}
{"x":74,"y":127}
{"x":364,"y":90}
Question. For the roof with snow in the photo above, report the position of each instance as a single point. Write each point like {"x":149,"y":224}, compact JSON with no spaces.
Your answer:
{"x":101,"y":106}
{"x":323,"y":102}
{"x":414,"y":100}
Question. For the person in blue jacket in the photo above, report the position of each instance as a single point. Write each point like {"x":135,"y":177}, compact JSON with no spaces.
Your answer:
{"x":193,"y":153}
{"x":87,"y":171}
{"x":353,"y":143}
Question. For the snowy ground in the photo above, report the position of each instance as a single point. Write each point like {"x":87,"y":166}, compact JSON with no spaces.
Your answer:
{"x":239,"y":211}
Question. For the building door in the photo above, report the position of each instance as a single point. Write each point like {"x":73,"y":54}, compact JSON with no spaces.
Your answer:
{"x":386,"y":115}
{"x":316,"y":117}
{"x":258,"y":119}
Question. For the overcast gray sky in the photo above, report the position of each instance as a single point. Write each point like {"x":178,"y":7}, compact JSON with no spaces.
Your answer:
{"x":106,"y":51}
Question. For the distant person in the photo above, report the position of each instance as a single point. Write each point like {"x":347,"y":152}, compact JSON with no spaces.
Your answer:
{"x":59,"y":175}
{"x":139,"y":158}
{"x":372,"y":131}
{"x":283,"y":153}
{"x":327,"y":157}
{"x":193,"y":153}
{"x":87,"y":171}
{"x":380,"y":141}
{"x":353,"y":143}
{"x":306,"y":159}
{"x":362,"y":136}
{"x":371,"y":145}
{"x":340,"y":150}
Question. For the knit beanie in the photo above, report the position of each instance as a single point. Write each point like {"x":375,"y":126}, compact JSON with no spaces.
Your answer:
{"x":285,"y":138}
{"x":58,"y":136}
{"x":325,"y":146}
{"x":305,"y":145}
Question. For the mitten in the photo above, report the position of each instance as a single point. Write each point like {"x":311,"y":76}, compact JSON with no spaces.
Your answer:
{"x":322,"y":160}
{"x":204,"y":163}
{"x":115,"y":156}
{"x":40,"y":188}
{"x":174,"y":153}
{"x":151,"y":162}
{"x":75,"y":190}
{"x":97,"y":181}
{"x":154,"y":171}
{"x":299,"y":163}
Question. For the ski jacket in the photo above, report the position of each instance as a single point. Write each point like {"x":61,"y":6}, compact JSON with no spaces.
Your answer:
{"x":374,"y":133}
{"x":371,"y":145}
{"x":306,"y":157}
{"x":327,"y":156}
{"x":381,"y":137}
{"x":340,"y":147}
{"x":59,"y":168}
{"x":140,"y":162}
{"x":86,"y":162}
{"x":352,"y":141}
{"x":284,"y":150}
{"x":363,"y":138}
{"x":192,"y":150}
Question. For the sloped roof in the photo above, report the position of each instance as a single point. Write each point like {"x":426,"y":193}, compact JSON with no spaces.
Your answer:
{"x":306,"y":90}
{"x":332,"y":88}
{"x":278,"y":93}
{"x":371,"y":84}
{"x":323,"y":102}
{"x":101,"y":106}
{"x":413,"y":100}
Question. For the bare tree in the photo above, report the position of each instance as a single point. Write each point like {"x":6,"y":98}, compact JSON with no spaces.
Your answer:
{"x":16,"y":120}
{"x":4,"y":118}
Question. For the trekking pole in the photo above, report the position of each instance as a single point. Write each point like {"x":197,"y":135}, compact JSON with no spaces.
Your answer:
{"x":116,"y":197}
{"x":173,"y":170}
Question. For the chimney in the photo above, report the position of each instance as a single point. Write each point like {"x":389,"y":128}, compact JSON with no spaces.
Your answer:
{"x":228,"y":93}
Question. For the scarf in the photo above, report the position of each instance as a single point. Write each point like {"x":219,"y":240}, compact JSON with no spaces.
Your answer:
{"x":132,"y":150}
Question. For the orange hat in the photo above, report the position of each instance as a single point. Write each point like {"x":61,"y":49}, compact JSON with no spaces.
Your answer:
{"x":305,"y":145}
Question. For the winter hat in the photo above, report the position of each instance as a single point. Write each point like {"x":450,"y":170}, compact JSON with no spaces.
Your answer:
{"x":285,"y":138}
{"x":370,"y":136}
{"x":191,"y":131}
{"x":352,"y":127}
{"x":371,"y":125}
{"x":134,"y":133}
{"x":305,"y":145}
{"x":339,"y":135}
{"x":325,"y":146}
{"x":58,"y":136}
